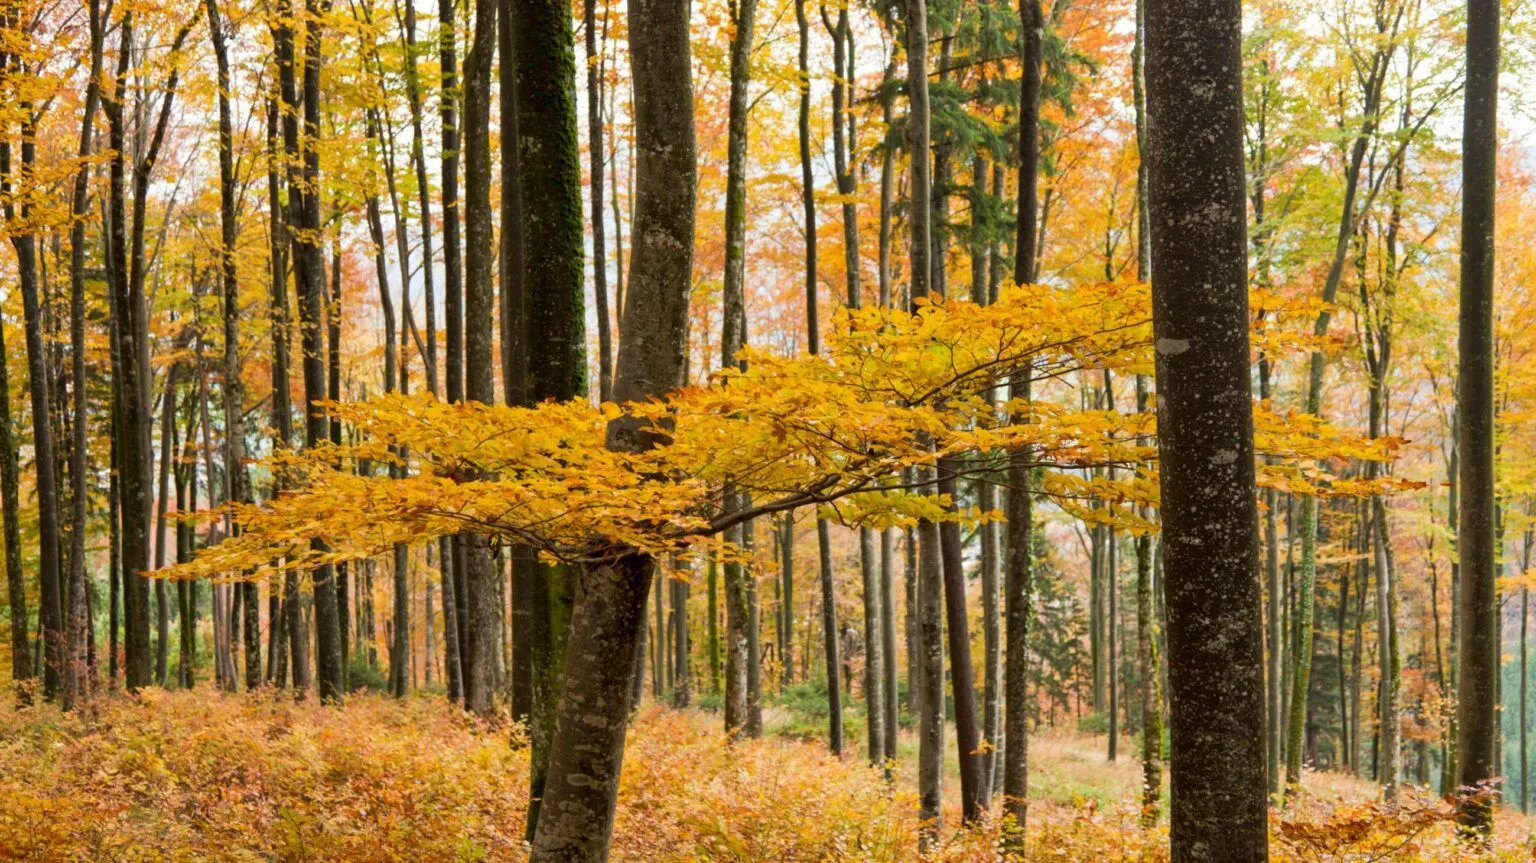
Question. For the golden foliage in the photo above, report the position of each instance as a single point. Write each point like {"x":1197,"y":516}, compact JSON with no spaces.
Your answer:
{"x":892,"y":391}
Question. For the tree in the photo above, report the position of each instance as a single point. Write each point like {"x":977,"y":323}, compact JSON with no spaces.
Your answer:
{"x":588,"y":747}
{"x":553,"y":313}
{"x":1477,"y":695}
{"x":1205,"y":421}
{"x":1019,"y":585}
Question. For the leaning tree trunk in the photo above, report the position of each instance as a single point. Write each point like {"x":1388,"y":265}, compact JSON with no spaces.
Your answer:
{"x":1196,"y":198}
{"x":577,"y":819}
{"x":1476,"y":702}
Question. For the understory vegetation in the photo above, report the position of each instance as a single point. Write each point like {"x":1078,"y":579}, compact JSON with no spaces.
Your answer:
{"x":196,"y":775}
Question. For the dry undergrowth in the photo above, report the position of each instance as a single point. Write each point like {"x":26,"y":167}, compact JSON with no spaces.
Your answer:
{"x":199,"y":776}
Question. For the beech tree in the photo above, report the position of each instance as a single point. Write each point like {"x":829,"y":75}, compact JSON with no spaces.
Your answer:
{"x":1197,"y":208}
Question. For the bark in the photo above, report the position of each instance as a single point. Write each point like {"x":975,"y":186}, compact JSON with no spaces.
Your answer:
{"x":1018,"y":587}
{"x":24,"y":243}
{"x":888,"y":642}
{"x":962,"y":677}
{"x":282,"y":409}
{"x":830,"y":640}
{"x":595,"y":152}
{"x":874,"y":673}
{"x":309,"y":269}
{"x":930,"y":681}
{"x":80,"y":674}
{"x":1477,"y":693}
{"x":1196,"y":196}
{"x":478,"y":569}
{"x":549,"y":183}
{"x":609,"y":611}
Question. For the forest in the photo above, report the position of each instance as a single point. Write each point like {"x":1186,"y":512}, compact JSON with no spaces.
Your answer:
{"x":796,"y":430}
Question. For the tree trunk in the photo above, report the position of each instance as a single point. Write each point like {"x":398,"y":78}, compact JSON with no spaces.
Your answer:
{"x":962,"y":678}
{"x":608,"y":614}
{"x":930,"y":681}
{"x":1205,"y":422}
{"x":1018,"y":587}
{"x":549,"y":183}
{"x":24,"y":242}
{"x":1477,"y":693}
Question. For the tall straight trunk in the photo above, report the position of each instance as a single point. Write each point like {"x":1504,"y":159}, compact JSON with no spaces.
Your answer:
{"x":1194,"y":151}
{"x":24,"y":243}
{"x":80,"y":674}
{"x":595,"y":153}
{"x":733,"y":336}
{"x":453,"y":287}
{"x":309,"y":268}
{"x":588,"y":748}
{"x":333,"y":317}
{"x":1149,"y":662}
{"x":479,"y":570}
{"x":549,"y":181}
{"x":929,"y":685}
{"x":279,"y":598}
{"x":981,"y":252}
{"x":1372,"y":80}
{"x":1476,"y":695}
{"x":1018,"y":585}
{"x":168,"y":408}
{"x":514,"y":352}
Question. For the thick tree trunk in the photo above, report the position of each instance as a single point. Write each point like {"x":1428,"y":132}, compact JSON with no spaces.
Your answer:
{"x":609,"y":611}
{"x":549,"y":183}
{"x":1196,"y":193}
{"x":1477,"y":693}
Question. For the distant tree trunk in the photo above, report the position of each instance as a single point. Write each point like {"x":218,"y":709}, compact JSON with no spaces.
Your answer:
{"x":1476,"y":696}
{"x":733,"y":337}
{"x":279,"y":598}
{"x":595,"y":153}
{"x":1205,"y":423}
{"x":80,"y":675}
{"x":453,"y":287}
{"x":479,"y":570}
{"x":609,"y":612}
{"x":681,"y":691}
{"x":309,"y":268}
{"x":168,"y":453}
{"x":16,"y":587}
{"x":787,"y":567}
{"x":451,"y":648}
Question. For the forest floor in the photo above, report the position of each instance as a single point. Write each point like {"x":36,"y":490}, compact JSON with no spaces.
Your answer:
{"x":195,"y":776}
